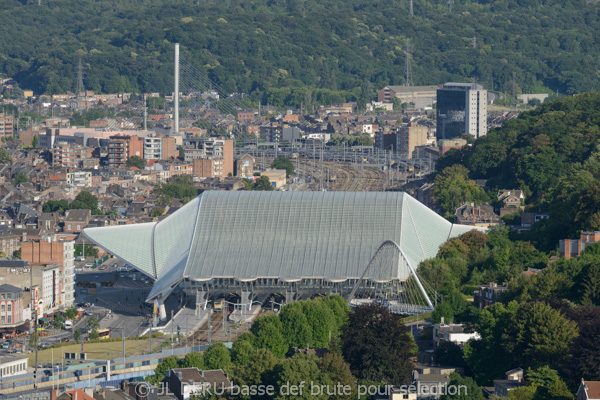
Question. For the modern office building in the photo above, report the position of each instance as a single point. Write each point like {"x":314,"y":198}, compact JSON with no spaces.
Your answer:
{"x":461,"y":108}
{"x":297,"y":243}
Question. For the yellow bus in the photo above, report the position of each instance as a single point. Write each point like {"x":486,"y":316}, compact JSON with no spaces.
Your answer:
{"x":103,"y":333}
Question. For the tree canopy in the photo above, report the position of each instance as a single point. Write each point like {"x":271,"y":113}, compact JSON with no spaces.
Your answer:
{"x":378,"y":346}
{"x":284,"y":163}
{"x":136,"y":161}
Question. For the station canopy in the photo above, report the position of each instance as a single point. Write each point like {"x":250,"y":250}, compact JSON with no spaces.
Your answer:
{"x":290,"y":236}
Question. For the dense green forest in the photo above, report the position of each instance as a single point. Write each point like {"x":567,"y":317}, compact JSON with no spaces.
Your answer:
{"x":553,"y":154}
{"x":274,"y":49}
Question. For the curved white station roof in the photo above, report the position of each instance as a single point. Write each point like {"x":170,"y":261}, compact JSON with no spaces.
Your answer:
{"x":285,"y":235}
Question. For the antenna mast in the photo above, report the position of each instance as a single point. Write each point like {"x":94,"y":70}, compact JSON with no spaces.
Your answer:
{"x":80,"y":87}
{"x":408,"y":69}
{"x":176,"y":94}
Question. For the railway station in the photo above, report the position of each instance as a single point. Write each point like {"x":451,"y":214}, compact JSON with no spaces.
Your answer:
{"x":361,"y":245}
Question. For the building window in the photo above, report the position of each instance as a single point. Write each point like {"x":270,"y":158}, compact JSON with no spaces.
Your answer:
{"x":69,"y":227}
{"x":9,"y":319}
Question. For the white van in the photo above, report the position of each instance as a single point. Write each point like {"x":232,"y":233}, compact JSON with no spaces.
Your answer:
{"x":68,"y":324}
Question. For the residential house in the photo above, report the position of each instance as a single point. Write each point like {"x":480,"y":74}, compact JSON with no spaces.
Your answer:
{"x":454,"y":333}
{"x":76,"y":220}
{"x":514,"y":379}
{"x":487,"y":295}
{"x":185,"y":382}
{"x":589,"y":390}
{"x":512,"y":201}
{"x":477,"y":215}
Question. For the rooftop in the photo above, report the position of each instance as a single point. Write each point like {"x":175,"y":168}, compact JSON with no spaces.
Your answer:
{"x":284,"y":235}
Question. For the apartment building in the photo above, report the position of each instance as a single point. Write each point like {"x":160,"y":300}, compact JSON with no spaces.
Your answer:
{"x":79,"y":178}
{"x":120,"y":148}
{"x":58,"y":272}
{"x":67,"y":155}
{"x":210,"y":158}
{"x":160,"y":148}
{"x":409,"y":137}
{"x":7,"y":124}
{"x":461,"y":108}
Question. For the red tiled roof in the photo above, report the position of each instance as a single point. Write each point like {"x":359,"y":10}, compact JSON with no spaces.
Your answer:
{"x":593,"y":391}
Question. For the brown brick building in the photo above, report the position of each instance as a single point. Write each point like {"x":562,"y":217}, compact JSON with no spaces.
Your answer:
{"x":120,"y":148}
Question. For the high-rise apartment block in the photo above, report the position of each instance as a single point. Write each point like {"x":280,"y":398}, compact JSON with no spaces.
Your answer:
{"x":461,"y":108}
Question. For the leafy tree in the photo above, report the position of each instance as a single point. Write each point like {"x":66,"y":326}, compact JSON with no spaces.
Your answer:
{"x":585,"y":361}
{"x":71,"y":312}
{"x":193,"y":359}
{"x":467,"y":389}
{"x":322,"y":322}
{"x":85,"y":201}
{"x":55,"y":205}
{"x":378,"y":346}
{"x":165,"y":365}
{"x":217,"y":356}
{"x":136,"y":161}
{"x":34,"y":141}
{"x":91,"y":251}
{"x":5,"y":157}
{"x":263,"y":184}
{"x":267,"y":332}
{"x":338,"y":371}
{"x":242,"y":352}
{"x":20,"y":177}
{"x":157,"y":212}
{"x":181,"y":188}
{"x":59,"y":319}
{"x":548,"y":384}
{"x":94,"y":334}
{"x":258,"y":371}
{"x":284,"y":163}
{"x":92,"y":323}
{"x":450,"y":354}
{"x":76,"y":335}
{"x":452,"y":188}
{"x":295,"y":326}
{"x":339,"y":307}
{"x":530,"y":334}
{"x":300,"y":370}
{"x":34,"y":340}
{"x":17,"y":254}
